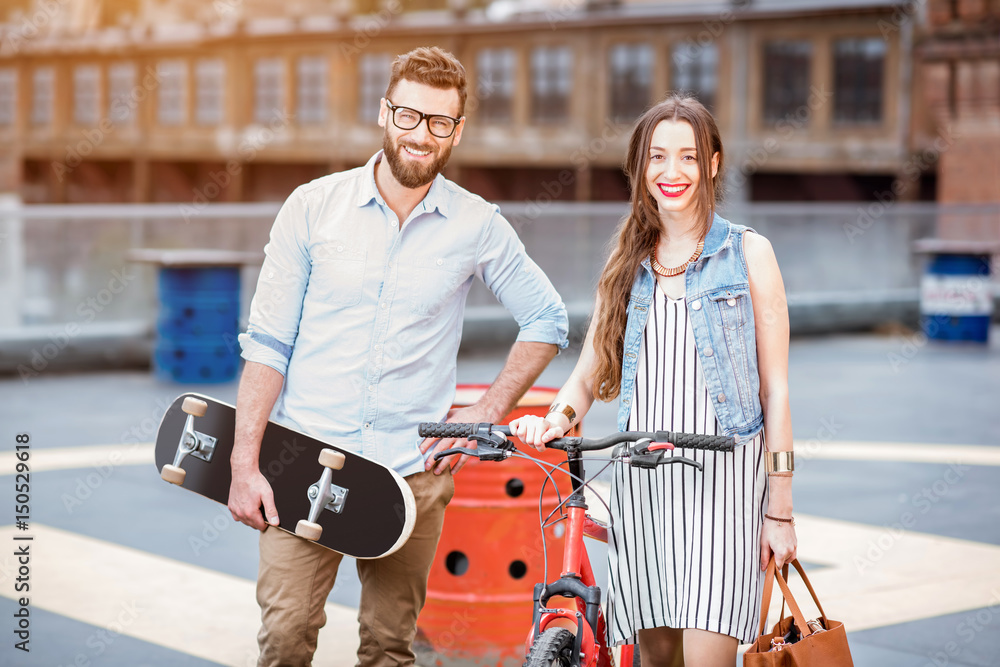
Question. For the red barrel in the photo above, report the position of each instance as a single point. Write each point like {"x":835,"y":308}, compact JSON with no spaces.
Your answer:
{"x":479,"y":594}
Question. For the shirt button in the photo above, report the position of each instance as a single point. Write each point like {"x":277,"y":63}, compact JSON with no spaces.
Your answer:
{"x":340,"y":248}
{"x":440,"y":262}
{"x":378,"y":347}
{"x":696,"y":305}
{"x":368,"y":424}
{"x":270,"y":274}
{"x":722,"y":398}
{"x":731,"y":302}
{"x":371,"y":387}
{"x":709,"y":352}
{"x":382,"y":305}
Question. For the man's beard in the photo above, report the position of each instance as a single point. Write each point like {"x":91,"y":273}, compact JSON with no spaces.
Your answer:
{"x":410,"y":174}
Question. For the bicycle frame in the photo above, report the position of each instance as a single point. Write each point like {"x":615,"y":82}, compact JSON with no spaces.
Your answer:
{"x":576,"y":581}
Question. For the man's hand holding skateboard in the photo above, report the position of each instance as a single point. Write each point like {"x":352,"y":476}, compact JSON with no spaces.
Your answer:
{"x":248,"y":492}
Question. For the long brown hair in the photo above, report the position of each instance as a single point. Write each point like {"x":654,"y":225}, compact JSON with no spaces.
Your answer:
{"x":639,"y":231}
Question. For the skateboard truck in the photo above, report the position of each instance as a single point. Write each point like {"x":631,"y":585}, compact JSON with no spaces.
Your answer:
{"x":192,"y":442}
{"x":323,"y":495}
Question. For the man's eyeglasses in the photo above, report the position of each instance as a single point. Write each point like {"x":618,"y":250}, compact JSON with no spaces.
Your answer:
{"x":406,"y":118}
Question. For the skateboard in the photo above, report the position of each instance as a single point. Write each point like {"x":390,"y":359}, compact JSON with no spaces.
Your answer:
{"x":335,"y":498}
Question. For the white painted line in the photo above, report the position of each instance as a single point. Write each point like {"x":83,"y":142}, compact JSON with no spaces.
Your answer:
{"x":883,"y":576}
{"x":97,"y":456}
{"x":898,"y":451}
{"x":68,"y":458}
{"x":185,"y":608}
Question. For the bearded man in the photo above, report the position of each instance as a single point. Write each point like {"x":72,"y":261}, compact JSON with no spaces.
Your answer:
{"x":353,"y":338}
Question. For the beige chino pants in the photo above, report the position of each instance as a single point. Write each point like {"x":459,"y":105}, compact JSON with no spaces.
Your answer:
{"x":296,"y":576}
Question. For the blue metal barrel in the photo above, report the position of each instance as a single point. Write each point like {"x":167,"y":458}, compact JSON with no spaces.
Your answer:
{"x":198,"y":324}
{"x":956,"y":299}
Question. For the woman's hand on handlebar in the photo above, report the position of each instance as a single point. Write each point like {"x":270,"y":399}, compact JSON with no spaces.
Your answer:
{"x":536,"y":431}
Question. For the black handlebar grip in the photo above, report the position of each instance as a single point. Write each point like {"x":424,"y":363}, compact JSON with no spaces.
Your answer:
{"x":445,"y":430}
{"x":712,"y":443}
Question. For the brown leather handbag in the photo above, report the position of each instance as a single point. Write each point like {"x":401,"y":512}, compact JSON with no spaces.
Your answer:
{"x":795,"y":642}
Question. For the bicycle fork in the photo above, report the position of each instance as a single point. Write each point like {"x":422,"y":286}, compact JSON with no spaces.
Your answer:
{"x":577,"y":582}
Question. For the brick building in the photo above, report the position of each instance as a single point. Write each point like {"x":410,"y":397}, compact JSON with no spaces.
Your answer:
{"x":241,"y":100}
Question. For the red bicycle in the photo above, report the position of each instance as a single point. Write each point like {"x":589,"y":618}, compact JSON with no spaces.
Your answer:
{"x":575,"y":637}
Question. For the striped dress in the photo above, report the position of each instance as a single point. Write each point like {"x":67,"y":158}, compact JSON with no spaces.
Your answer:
{"x":684,"y":548}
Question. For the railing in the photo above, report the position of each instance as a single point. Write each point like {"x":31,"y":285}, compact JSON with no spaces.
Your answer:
{"x":844,"y":265}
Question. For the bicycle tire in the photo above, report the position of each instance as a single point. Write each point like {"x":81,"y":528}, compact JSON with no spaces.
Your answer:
{"x":552,"y":648}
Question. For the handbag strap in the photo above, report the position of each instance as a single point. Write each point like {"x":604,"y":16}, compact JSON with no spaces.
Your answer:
{"x":771,"y":575}
{"x":802,"y":573}
{"x":765,"y":600}
{"x":800,"y":620}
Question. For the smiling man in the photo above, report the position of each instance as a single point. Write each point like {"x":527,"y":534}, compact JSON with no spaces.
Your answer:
{"x":353,"y":337}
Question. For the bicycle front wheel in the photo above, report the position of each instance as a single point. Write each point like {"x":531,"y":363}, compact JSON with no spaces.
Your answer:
{"x":552,"y":648}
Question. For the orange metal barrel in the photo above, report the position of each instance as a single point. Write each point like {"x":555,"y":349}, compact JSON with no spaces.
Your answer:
{"x":479,"y":593}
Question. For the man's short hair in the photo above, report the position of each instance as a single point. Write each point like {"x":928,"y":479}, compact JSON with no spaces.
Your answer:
{"x":431,"y":66}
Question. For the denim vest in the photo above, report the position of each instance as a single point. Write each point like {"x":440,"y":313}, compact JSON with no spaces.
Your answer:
{"x":717,"y":293}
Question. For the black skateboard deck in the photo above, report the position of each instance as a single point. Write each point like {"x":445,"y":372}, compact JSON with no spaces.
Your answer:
{"x":367,"y":511}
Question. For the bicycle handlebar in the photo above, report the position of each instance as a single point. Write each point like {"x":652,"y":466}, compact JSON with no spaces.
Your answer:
{"x":494,"y":447}
{"x":715,"y":443}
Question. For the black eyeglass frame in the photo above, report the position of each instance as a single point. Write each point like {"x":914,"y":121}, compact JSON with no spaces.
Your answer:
{"x":423,"y":117}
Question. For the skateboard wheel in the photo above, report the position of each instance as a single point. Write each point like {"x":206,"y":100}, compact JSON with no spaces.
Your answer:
{"x":173,"y":474}
{"x":194,"y":406}
{"x":332,"y":459}
{"x":309,"y":530}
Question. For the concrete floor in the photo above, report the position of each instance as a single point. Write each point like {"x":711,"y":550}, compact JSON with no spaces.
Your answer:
{"x":116,"y":549}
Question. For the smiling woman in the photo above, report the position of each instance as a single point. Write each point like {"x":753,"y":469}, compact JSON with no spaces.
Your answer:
{"x":689,"y":349}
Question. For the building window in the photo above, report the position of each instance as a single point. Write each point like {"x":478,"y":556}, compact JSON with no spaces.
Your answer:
{"x":43,"y":90}
{"x":551,"y":80}
{"x":858,"y":74}
{"x":312,"y":90}
{"x":269,"y":90}
{"x":695,"y":71}
{"x":8,"y":95}
{"x":122,"y":95}
{"x":374,"y":70}
{"x":86,"y":95}
{"x":172,"y":95}
{"x":209,"y":91}
{"x":786,"y":78}
{"x":631,"y":77}
{"x":495,"y":85}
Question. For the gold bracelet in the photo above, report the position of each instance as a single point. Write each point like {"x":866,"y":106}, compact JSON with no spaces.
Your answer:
{"x":779,"y":462}
{"x":564,"y":409}
{"x":779,"y":474}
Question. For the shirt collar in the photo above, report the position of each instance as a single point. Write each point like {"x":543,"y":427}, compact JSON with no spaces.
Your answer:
{"x":435,"y":200}
{"x":718,"y":235}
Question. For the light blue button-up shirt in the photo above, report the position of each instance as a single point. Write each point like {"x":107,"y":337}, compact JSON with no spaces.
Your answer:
{"x":364,"y":319}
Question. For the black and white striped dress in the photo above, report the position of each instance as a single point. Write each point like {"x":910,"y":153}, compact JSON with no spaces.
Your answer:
{"x":684,"y":548}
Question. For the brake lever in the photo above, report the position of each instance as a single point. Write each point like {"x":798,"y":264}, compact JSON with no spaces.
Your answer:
{"x":453,"y":451}
{"x":490,"y":447}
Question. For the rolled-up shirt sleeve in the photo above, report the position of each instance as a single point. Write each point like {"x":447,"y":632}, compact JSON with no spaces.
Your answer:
{"x":277,"y":304}
{"x":520,"y":285}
